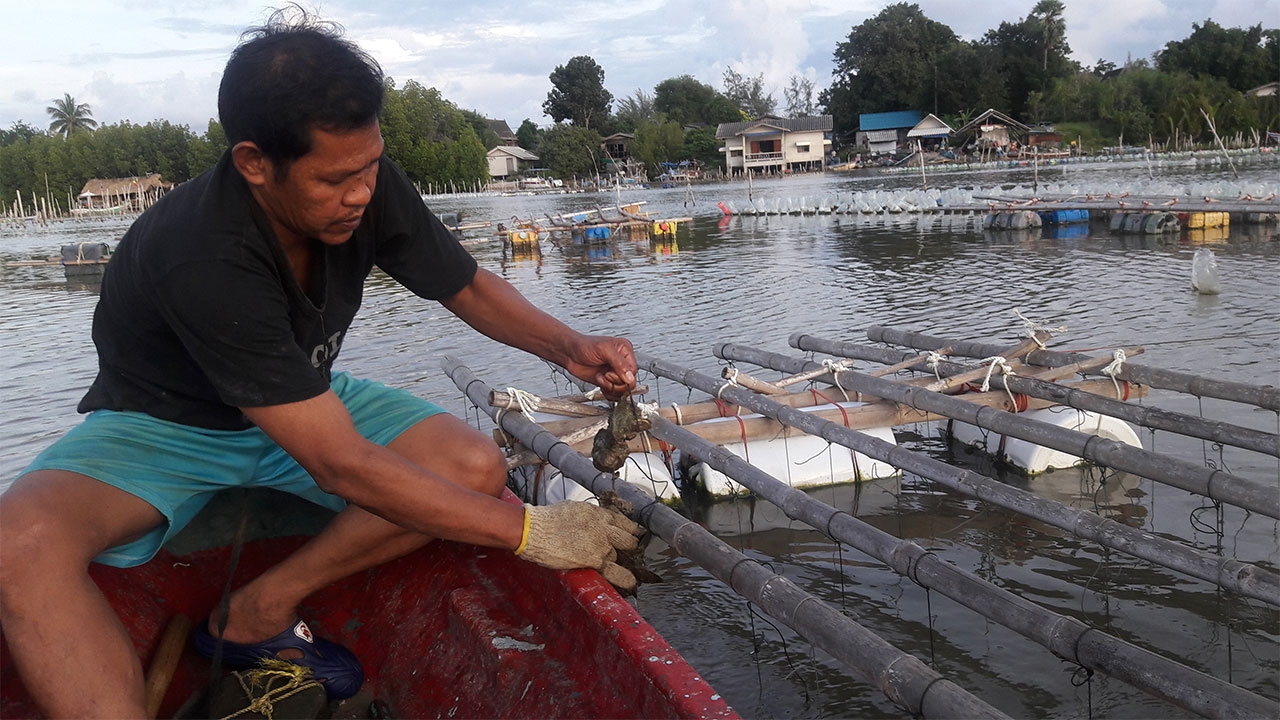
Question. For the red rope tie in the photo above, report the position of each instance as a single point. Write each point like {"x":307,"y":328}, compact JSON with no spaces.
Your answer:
{"x":722,"y":407}
{"x":853,"y":454}
{"x":1020,"y":402}
{"x":833,"y":402}
{"x":1126,"y":389}
{"x":742,"y":430}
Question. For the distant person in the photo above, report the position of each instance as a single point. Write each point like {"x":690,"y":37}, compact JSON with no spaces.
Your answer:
{"x":219,"y":321}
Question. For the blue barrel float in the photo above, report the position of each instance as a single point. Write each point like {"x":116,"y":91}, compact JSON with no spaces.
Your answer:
{"x":1064,"y":217}
{"x":594,"y":234}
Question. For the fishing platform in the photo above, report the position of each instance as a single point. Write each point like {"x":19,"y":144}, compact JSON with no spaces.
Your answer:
{"x":1023,"y":403}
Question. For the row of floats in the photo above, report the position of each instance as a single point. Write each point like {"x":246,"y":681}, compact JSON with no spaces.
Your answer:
{"x":1149,"y":223}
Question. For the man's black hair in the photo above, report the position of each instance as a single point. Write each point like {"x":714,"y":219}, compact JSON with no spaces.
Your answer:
{"x":290,"y":76}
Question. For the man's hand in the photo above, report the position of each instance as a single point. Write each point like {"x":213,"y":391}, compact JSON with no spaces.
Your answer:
{"x":573,"y":534}
{"x":609,"y":362}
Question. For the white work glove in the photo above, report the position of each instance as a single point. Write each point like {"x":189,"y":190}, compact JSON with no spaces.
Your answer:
{"x":573,"y":534}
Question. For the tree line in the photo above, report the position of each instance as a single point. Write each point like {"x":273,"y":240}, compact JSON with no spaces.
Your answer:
{"x":902,"y":60}
{"x":431,"y":138}
{"x":897,"y":60}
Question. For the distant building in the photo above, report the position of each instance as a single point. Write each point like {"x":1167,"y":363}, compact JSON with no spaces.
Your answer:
{"x":994,"y":129}
{"x":503,"y":131}
{"x":1044,"y":135}
{"x":506,"y":161}
{"x":133,"y":193}
{"x":930,"y":132}
{"x":882,"y":133}
{"x":618,"y":146}
{"x":774,"y":144}
{"x":615,"y":152}
{"x":1271,"y":89}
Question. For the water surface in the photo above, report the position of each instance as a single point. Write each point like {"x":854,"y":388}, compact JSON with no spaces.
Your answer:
{"x":757,"y":280}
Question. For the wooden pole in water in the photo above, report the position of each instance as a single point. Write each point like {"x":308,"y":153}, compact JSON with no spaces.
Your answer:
{"x":1229,"y":573}
{"x":1211,"y":483}
{"x":754,"y":427}
{"x":1150,"y":417}
{"x":920,"y":149}
{"x":903,"y":678}
{"x":1065,"y":637}
{"x":1264,"y":397}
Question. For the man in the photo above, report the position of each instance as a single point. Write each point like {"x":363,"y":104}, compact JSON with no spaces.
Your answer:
{"x":218,"y":323}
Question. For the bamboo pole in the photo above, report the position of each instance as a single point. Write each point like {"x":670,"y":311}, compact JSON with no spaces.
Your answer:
{"x":1212,"y":483}
{"x":902,"y":677}
{"x":1065,"y":637}
{"x":752,"y":383}
{"x":1150,"y":417}
{"x":908,"y":364}
{"x":1228,"y":573}
{"x":756,"y":427}
{"x":1265,"y":397}
{"x":503,"y":399}
{"x":1154,"y":418}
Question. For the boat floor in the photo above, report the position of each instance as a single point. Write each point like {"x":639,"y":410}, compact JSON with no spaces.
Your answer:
{"x":451,"y":630}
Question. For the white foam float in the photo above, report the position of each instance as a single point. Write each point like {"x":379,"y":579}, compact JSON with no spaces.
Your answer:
{"x":1035,"y":459}
{"x":546,"y":485}
{"x":802,"y":461}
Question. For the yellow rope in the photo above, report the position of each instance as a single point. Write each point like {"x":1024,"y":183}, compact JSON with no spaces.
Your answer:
{"x":296,"y":678}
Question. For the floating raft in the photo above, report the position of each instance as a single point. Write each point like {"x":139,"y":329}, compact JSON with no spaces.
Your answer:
{"x":586,"y":227}
{"x":927,"y":381}
{"x":1171,"y":211}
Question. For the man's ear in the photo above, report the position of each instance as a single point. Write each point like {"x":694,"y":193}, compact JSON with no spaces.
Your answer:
{"x":253,"y":165}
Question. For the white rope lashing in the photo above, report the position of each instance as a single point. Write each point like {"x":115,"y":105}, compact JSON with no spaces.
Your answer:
{"x":527,"y":402}
{"x":1117,"y":364}
{"x":932,"y":363}
{"x":730,"y":381}
{"x":1032,"y":329}
{"x":835,"y":367}
{"x":997,"y":361}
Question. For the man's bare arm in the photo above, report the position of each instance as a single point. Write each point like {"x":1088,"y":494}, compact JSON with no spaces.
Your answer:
{"x":495,"y":308}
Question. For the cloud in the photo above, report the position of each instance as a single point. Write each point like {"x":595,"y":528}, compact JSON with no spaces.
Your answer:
{"x":150,"y":59}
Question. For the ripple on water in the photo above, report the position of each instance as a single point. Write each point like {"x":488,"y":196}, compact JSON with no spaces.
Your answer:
{"x":757,"y":281}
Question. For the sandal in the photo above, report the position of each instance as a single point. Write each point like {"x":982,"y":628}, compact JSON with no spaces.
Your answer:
{"x":336,"y":667}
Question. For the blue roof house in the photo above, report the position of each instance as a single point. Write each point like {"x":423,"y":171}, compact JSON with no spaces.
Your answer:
{"x":884,"y":132}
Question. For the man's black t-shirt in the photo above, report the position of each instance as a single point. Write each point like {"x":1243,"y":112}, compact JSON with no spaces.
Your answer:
{"x":200,"y":313}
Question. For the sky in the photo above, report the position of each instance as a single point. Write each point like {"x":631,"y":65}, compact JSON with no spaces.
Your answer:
{"x":145,"y":60}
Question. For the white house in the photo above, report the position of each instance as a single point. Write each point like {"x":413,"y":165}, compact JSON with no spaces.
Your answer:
{"x":930,"y":128}
{"x":504,"y":160}
{"x":774,"y":144}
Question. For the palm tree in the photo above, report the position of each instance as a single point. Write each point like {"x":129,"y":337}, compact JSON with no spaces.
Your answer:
{"x":68,"y":117}
{"x":1049,"y":12}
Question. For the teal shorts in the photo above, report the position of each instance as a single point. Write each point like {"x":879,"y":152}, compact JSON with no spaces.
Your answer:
{"x":179,"y":468}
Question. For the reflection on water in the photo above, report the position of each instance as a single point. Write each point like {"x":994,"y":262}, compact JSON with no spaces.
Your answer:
{"x":756,"y":280}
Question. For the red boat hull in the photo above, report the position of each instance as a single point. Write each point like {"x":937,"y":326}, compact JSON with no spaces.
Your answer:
{"x":449,"y":631}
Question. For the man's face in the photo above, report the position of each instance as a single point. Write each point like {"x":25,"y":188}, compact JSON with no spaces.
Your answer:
{"x":325,"y":192}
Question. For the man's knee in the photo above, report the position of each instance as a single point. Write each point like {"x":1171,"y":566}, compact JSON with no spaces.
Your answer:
{"x":34,"y":542}
{"x":54,"y":521}
{"x":484,"y":467}
{"x":448,"y":446}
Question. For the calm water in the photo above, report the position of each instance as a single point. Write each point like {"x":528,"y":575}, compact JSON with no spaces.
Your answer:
{"x":756,"y":281}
